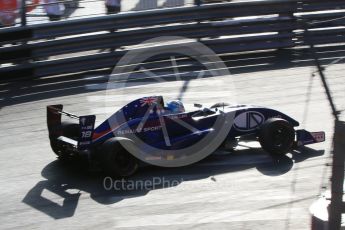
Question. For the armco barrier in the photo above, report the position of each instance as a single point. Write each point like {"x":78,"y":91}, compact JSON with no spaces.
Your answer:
{"x":277,"y":24}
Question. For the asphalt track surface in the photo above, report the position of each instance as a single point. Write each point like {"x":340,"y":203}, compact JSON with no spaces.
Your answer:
{"x":243,"y":189}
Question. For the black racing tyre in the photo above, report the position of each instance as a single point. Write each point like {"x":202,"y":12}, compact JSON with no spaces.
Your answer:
{"x":70,"y":130}
{"x":219,"y":104}
{"x":116,"y":160}
{"x":277,"y":136}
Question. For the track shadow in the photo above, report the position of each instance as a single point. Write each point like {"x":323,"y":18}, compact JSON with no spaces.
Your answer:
{"x":285,"y":163}
{"x":69,"y":181}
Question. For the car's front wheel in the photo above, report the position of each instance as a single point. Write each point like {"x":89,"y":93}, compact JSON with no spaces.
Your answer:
{"x":277,"y":136}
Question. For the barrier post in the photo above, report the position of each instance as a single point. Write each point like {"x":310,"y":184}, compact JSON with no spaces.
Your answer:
{"x":289,"y":14}
{"x":23,"y":13}
{"x":336,"y":207}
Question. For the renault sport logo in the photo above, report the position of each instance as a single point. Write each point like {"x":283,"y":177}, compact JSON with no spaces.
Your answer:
{"x":248,"y":121}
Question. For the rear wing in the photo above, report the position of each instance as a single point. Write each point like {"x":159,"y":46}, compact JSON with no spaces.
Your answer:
{"x":86,"y":127}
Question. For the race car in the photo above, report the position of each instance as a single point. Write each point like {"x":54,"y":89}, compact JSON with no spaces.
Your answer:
{"x":148,"y":131}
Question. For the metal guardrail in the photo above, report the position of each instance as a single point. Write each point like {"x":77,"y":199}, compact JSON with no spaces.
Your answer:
{"x":147,"y":18}
{"x":133,"y":37}
{"x":276,"y":25}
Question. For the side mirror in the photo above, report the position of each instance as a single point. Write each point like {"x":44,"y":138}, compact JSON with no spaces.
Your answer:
{"x":197,"y":105}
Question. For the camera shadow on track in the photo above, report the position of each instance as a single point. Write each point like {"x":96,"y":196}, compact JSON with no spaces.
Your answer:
{"x":69,"y":182}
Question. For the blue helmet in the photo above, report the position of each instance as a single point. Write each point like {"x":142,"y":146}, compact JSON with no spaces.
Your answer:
{"x":176,"y":106}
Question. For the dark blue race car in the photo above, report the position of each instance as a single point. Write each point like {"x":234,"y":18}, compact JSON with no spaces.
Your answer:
{"x":146,"y":130}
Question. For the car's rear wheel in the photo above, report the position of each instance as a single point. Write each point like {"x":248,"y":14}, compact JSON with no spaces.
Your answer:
{"x":277,"y":136}
{"x":116,"y":160}
{"x":70,"y":130}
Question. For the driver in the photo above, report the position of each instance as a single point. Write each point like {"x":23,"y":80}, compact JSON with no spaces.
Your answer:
{"x":175,"y":106}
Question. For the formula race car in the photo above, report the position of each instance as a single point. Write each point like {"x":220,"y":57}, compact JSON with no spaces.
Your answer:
{"x":147,"y":130}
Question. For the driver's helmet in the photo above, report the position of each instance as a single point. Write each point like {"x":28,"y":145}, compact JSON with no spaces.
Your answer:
{"x":175,"y":106}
